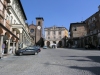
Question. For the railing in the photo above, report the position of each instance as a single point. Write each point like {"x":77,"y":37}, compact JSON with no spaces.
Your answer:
{"x":2,"y":13}
{"x":8,"y":24}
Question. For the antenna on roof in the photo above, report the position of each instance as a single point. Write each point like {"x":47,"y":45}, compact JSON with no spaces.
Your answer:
{"x":82,"y":19}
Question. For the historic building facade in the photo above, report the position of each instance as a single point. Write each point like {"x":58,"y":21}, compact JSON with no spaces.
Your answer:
{"x":55,"y":35}
{"x":77,"y":32}
{"x":90,"y":31}
{"x":36,"y":31}
{"x":14,"y":32}
{"x":93,"y":29}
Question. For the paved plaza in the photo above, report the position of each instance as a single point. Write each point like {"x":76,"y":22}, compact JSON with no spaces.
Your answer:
{"x":53,"y":62}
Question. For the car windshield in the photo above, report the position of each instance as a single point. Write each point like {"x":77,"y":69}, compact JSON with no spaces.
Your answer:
{"x":30,"y":48}
{"x":45,"y":46}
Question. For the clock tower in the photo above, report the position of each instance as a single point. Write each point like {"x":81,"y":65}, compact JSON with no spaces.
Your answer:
{"x":39,"y":28}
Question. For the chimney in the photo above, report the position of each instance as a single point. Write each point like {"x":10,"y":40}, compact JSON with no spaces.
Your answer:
{"x":99,"y":7}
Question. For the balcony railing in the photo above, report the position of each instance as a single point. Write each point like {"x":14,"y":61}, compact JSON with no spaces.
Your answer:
{"x":8,"y":24}
{"x":1,"y":13}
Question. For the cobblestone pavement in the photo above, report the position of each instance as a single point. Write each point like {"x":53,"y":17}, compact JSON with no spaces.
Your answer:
{"x":53,"y":62}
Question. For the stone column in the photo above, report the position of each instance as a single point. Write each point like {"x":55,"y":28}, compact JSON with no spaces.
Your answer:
{"x":20,"y":37}
{"x":14,"y":47}
{"x":1,"y":42}
{"x":8,"y":50}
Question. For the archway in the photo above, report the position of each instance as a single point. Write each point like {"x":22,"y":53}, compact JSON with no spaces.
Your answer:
{"x":60,"y":43}
{"x":54,"y":42}
{"x":48,"y":43}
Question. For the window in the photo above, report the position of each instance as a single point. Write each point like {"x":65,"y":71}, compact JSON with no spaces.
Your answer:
{"x":48,"y":37}
{"x":7,"y":17}
{"x":59,"y":32}
{"x":74,"y":29}
{"x":60,"y":37}
{"x":11,"y":19}
{"x":32,"y":30}
{"x":48,"y":32}
{"x":39,"y":23}
{"x":14,"y":22}
{"x":54,"y":32}
{"x":54,"y":37}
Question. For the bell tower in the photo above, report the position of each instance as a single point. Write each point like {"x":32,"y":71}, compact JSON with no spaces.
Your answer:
{"x":39,"y":28}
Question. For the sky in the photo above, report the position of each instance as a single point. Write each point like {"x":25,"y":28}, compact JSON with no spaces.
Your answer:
{"x":59,"y":12}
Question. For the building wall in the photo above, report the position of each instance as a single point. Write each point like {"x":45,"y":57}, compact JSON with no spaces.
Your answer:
{"x":58,"y":37}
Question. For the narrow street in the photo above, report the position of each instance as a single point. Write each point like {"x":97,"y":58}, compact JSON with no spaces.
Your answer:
{"x":53,"y":62}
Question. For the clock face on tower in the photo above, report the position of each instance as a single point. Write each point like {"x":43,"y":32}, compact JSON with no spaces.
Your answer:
{"x":39,"y":27}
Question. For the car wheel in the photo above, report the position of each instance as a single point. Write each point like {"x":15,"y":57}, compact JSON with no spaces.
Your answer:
{"x":34,"y":54}
{"x":20,"y":54}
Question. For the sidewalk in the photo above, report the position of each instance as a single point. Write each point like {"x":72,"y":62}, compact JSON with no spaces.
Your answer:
{"x":7,"y":55}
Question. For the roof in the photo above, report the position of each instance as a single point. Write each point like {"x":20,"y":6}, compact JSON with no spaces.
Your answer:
{"x":93,"y":15}
{"x":40,"y":18}
{"x":77,"y":23}
{"x":56,"y":27}
{"x":31,"y":25}
{"x":22,"y":9}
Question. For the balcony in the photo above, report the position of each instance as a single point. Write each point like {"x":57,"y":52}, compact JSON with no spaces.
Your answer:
{"x":1,"y":13}
{"x":8,"y":24}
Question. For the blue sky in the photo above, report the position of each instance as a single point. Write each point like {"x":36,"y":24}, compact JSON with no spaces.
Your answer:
{"x":59,"y":12}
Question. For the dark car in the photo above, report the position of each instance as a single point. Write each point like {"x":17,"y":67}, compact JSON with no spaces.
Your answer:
{"x":38,"y":48}
{"x":90,"y":46}
{"x":98,"y":47}
{"x":27,"y":50}
{"x":44,"y":47}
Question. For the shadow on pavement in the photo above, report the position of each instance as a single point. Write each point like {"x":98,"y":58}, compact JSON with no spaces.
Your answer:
{"x":94,"y":70}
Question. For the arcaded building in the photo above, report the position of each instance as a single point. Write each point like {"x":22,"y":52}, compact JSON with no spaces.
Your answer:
{"x":55,"y":35}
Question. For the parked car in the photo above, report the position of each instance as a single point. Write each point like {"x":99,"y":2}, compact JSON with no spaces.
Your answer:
{"x":27,"y":50}
{"x":98,"y":47}
{"x":90,"y":46}
{"x":74,"y":46}
{"x":38,"y":49}
{"x":44,"y":47}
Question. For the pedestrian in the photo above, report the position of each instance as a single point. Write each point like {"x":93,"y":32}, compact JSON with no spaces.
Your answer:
{"x":3,"y":47}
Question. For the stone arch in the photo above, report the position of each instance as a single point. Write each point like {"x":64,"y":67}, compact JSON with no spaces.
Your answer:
{"x":54,"y":42}
{"x":48,"y":43}
{"x":60,"y":43}
{"x":95,"y":40}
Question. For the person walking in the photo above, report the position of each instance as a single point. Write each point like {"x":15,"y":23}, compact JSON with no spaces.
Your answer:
{"x":3,"y":47}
